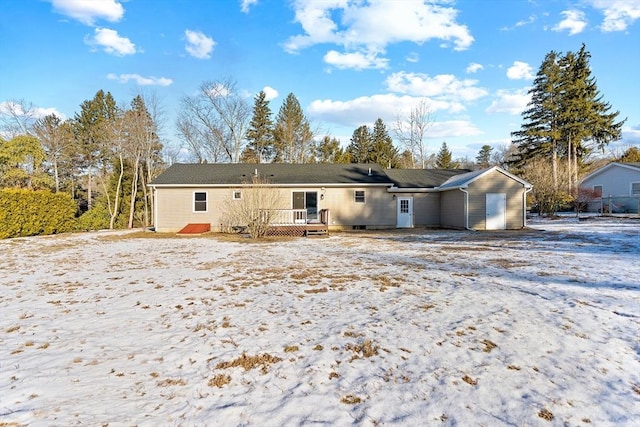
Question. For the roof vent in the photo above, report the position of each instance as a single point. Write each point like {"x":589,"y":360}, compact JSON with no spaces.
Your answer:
{"x":369,"y":171}
{"x":255,"y":172}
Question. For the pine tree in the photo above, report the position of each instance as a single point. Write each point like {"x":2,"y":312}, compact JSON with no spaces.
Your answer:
{"x":293,"y":138}
{"x":566,"y":118}
{"x":444,"y":158}
{"x":483,"y":159}
{"x":540,"y":134}
{"x":259,"y":148}
{"x":361,"y":146}
{"x":586,"y":120}
{"x":383,"y":152}
{"x":329,"y":151}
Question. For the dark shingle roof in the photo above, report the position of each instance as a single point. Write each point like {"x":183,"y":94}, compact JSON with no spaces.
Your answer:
{"x":422,"y":178}
{"x":276,"y":173}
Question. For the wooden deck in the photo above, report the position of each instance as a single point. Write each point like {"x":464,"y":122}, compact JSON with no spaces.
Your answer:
{"x":297,"y":224}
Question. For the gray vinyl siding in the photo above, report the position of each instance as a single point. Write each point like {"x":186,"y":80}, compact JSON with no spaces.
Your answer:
{"x":495,"y":182}
{"x":426,"y":209}
{"x":378,"y":211}
{"x":174,"y":206}
{"x":452,"y":209}
{"x":615,"y":181}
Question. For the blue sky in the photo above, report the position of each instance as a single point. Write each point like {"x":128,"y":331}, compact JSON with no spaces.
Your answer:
{"x":347,"y":61}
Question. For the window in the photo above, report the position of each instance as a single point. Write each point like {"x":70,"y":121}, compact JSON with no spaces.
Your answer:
{"x":404,"y":206}
{"x":359,"y":196}
{"x":598,"y":190}
{"x":635,"y":188}
{"x":199,"y":201}
{"x":237,"y":195}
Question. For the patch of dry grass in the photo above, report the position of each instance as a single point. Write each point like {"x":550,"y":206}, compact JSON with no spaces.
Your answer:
{"x":545,"y":414}
{"x":250,"y":362}
{"x":467,"y":379}
{"x":219,"y":380}
{"x":350,"y":399}
{"x":363,"y":349}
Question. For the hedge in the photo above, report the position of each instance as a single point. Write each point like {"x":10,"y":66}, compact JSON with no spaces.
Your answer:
{"x":30,"y":213}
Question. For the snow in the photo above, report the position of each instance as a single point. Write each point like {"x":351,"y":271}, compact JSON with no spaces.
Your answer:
{"x":418,"y":327}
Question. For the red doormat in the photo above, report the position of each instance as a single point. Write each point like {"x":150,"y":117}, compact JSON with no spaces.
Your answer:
{"x":195,"y":229}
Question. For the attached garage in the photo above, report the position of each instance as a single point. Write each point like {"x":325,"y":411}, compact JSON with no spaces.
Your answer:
{"x":489,"y":199}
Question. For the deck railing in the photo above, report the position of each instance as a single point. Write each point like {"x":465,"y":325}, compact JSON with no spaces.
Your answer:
{"x":280,"y":217}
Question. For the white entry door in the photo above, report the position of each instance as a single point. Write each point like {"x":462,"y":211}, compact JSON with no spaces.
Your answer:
{"x":405,"y":212}
{"x":496,"y":218}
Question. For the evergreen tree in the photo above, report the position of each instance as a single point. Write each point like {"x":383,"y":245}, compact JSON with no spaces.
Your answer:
{"x":383,"y":152}
{"x":94,"y":131}
{"x":586,"y":120}
{"x":293,"y":138}
{"x":483,"y":159}
{"x":566,"y":118}
{"x":259,"y":148}
{"x":540,"y":135}
{"x":444,"y":158}
{"x":361,"y":146}
{"x":329,"y":151}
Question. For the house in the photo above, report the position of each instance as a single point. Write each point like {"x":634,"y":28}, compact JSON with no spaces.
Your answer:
{"x":618,"y":185}
{"x":342,"y":196}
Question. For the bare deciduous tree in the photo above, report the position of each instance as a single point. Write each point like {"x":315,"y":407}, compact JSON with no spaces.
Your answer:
{"x":214,"y":121}
{"x":255,"y":209}
{"x":17,"y":117}
{"x":411,"y":131}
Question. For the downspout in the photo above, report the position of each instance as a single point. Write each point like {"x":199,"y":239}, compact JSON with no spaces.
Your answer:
{"x":155,"y":208}
{"x":524,"y":206}
{"x":466,"y":209}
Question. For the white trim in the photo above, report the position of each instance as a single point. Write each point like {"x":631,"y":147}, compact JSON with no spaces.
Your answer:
{"x":364,"y":196}
{"x":206,"y":201}
{"x":233,"y":194}
{"x":631,"y":188}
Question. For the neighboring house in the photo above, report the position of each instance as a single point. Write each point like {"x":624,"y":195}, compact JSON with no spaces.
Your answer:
{"x":345,"y":196}
{"x":618,"y":184}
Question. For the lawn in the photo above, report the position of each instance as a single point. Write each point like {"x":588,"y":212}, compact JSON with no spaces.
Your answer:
{"x":419,"y":327}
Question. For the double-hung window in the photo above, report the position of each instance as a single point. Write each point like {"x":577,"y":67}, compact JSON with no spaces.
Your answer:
{"x":200,"y":201}
{"x":358,"y":196}
{"x":635,"y":188}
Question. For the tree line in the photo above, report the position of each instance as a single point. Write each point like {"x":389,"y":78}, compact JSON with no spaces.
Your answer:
{"x":105,"y":156}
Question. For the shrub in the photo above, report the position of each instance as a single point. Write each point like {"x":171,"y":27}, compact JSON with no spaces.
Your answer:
{"x":30,"y":213}
{"x":96,"y":218}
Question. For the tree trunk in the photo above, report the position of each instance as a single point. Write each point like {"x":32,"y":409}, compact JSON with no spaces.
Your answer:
{"x":116,"y":200}
{"x":134,"y":192}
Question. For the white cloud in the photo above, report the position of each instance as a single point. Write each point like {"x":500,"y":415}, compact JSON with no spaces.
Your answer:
{"x":510,"y":102}
{"x":574,"y":21}
{"x":32,"y":112}
{"x":444,"y":87}
{"x":198,"y":44}
{"x":520,"y":70}
{"x":245,"y":5}
{"x":474,"y":67}
{"x":365,"y":109}
{"x":413,"y":57}
{"x":452,"y":129}
{"x":355,"y":60}
{"x":111,"y":42}
{"x":359,"y":29}
{"x":88,"y":11}
{"x":270,"y":93}
{"x":618,"y":14}
{"x":140,"y":80}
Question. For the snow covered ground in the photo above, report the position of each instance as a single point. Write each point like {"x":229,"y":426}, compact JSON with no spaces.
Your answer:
{"x":421,"y":327}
